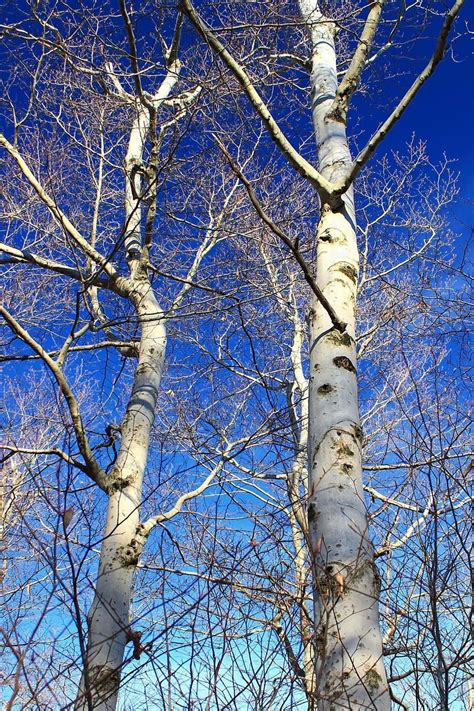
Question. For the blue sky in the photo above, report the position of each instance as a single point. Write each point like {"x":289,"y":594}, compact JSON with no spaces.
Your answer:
{"x":443,"y":114}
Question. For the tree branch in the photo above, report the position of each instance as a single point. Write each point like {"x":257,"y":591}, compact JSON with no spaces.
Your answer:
{"x":171,"y":513}
{"x":403,"y":104}
{"x":124,"y":345}
{"x":56,"y":212}
{"x":340,"y":325}
{"x":93,"y":470}
{"x":291,"y":656}
{"x":304,"y":168}
{"x":21,"y":256}
{"x":133,"y":50}
{"x":352,"y":76}
{"x":46,"y":452}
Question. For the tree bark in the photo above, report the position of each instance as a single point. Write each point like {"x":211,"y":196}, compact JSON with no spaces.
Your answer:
{"x":124,"y":535}
{"x":108,"y":619}
{"x":349,"y":665}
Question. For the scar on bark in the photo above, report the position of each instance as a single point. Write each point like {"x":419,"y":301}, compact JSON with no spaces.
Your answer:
{"x":138,"y":170}
{"x":349,"y":271}
{"x":373,"y":680}
{"x":313,"y":513}
{"x":344,"y":362}
{"x":320,"y":639}
{"x":104,"y":679}
{"x":130,"y":553}
{"x":340,"y":339}
{"x":117,"y":482}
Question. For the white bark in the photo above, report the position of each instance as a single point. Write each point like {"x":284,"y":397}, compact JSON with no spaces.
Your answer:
{"x":349,"y":665}
{"x":124,"y":535}
{"x":297,"y":518}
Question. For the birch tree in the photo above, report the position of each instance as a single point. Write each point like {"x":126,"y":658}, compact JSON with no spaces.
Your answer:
{"x":349,"y":657}
{"x":402,"y":356}
{"x":255,"y":644}
{"x":152,"y":108}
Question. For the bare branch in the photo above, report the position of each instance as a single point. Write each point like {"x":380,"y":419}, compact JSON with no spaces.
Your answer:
{"x":19,"y":256}
{"x":119,"y":345}
{"x":57,"y":213}
{"x":188,"y":496}
{"x":285,"y":239}
{"x":133,"y":49}
{"x":304,"y":168}
{"x":403,"y":104}
{"x":94,"y":471}
{"x":53,"y":451}
{"x":352,"y":76}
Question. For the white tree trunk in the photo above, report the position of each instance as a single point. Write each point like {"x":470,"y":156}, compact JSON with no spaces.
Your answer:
{"x":124,"y":535}
{"x":349,"y":665}
{"x":108,"y":619}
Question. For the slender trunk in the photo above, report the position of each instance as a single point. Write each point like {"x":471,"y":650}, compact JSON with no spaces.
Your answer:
{"x":297,"y":517}
{"x":349,"y":665}
{"x":109,"y":624}
{"x":124,"y":536}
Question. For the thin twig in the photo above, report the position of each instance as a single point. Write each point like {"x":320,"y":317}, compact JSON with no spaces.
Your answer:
{"x":340,"y":325}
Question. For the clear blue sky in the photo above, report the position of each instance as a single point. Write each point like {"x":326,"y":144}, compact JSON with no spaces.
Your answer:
{"x":443,"y":113}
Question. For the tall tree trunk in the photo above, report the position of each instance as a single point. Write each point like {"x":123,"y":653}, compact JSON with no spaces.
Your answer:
{"x":108,"y":619}
{"x":124,"y":536}
{"x":349,"y":665}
